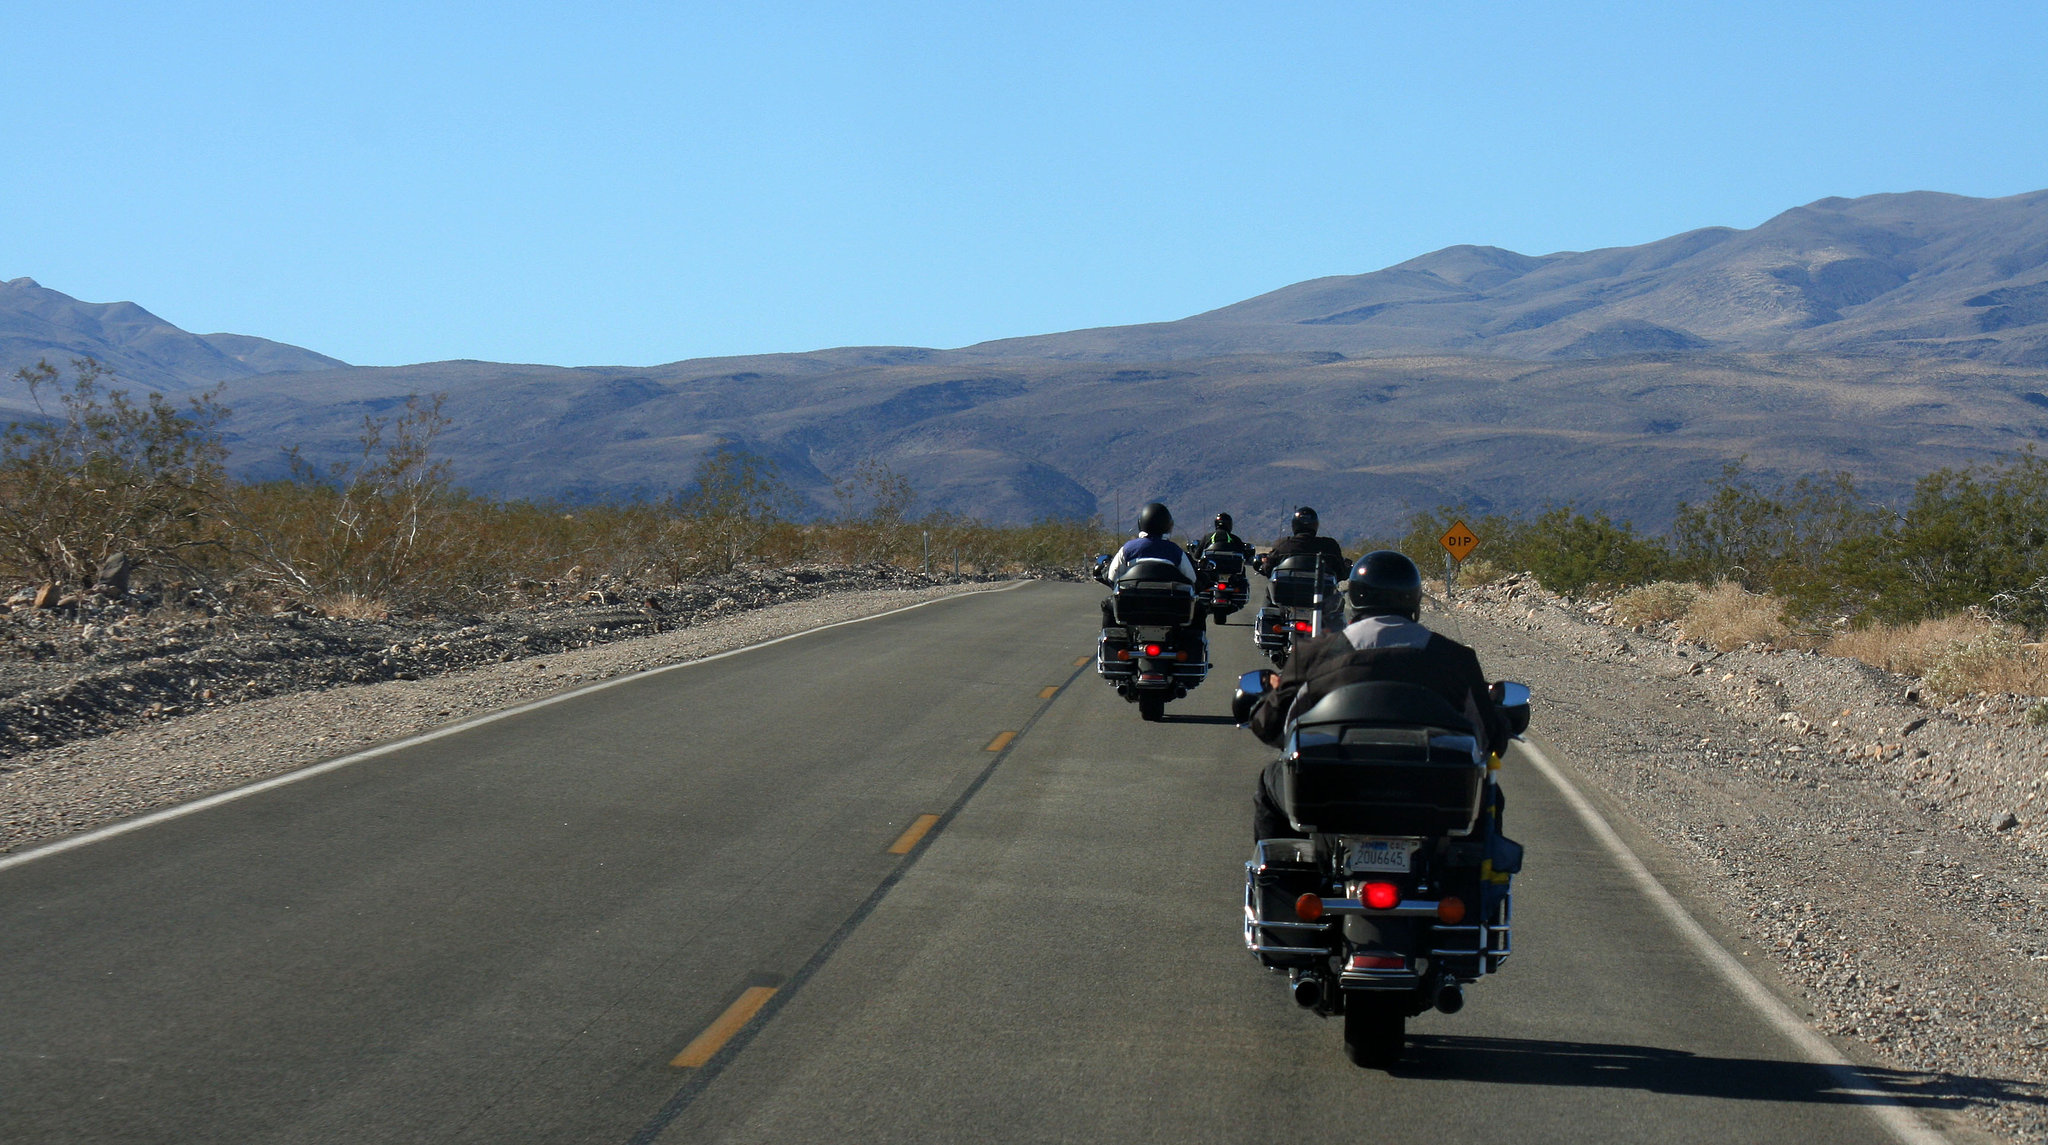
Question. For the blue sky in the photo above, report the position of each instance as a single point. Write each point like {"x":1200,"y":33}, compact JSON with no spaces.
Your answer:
{"x":617,"y":183}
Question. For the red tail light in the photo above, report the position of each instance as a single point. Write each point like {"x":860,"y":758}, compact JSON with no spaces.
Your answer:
{"x":1304,"y":626}
{"x":1151,"y":649}
{"x":1381,"y":896}
{"x":1308,"y":907}
{"x":1378,"y":962}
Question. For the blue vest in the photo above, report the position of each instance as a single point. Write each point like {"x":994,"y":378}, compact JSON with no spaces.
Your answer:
{"x":1152,"y":549}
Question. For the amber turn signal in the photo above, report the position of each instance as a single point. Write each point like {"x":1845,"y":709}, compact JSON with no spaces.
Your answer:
{"x":1309,"y":907}
{"x":1451,"y":910}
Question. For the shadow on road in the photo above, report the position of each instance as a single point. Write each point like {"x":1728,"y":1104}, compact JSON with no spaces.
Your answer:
{"x":1170,"y":718}
{"x":1522,"y":1061}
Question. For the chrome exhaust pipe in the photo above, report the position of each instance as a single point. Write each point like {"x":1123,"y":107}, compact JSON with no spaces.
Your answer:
{"x":1450,"y":997}
{"x":1307,"y":989}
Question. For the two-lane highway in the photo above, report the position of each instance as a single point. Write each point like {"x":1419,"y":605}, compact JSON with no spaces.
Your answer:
{"x":917,"y":878}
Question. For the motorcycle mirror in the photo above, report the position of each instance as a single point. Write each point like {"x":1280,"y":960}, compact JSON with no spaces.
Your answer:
{"x":1252,"y":683}
{"x":1513,"y":695}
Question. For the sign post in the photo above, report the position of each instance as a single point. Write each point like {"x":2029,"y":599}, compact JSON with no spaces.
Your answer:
{"x":1458,"y":542}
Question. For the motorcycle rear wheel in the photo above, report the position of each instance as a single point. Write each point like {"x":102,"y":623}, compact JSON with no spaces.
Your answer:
{"x":1152,"y":708}
{"x":1375,"y":1027}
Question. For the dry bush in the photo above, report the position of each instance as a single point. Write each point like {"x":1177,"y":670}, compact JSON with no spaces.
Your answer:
{"x":1476,"y":571}
{"x":1909,"y":649}
{"x":1995,"y":662}
{"x":350,"y":606}
{"x":1659,"y":603}
{"x":1726,"y":617}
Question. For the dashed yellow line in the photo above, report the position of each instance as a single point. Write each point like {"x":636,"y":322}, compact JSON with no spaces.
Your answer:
{"x":714,"y":1037}
{"x":1000,"y":742}
{"x":1049,"y":691}
{"x":909,"y":838}
{"x":1083,"y":660}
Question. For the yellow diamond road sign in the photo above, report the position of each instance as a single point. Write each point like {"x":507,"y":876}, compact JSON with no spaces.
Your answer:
{"x":1458,"y":541}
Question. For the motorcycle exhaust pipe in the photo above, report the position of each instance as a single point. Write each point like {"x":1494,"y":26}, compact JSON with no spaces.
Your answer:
{"x":1308,"y":990}
{"x":1450,"y":997}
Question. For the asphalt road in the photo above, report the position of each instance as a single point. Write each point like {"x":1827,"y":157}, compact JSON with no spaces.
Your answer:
{"x":512,"y":934}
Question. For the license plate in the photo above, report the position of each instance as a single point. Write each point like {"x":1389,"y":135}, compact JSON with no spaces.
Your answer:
{"x":1391,"y":855}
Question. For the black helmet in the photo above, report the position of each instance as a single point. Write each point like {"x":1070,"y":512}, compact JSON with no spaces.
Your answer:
{"x":1305,"y":522}
{"x":1154,"y":520}
{"x":1383,"y":582}
{"x":1222,"y":522}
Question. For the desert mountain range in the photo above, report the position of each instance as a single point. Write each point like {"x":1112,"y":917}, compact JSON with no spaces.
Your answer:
{"x":1888,"y":335}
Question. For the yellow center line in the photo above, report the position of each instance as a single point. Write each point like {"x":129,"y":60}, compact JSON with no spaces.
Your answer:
{"x":1083,"y":660}
{"x":714,"y":1037}
{"x":1049,"y":691}
{"x":910,"y":836}
{"x":1000,"y":742}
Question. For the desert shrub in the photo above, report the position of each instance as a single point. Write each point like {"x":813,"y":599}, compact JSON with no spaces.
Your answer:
{"x":1909,"y":649}
{"x":387,"y":526}
{"x":102,"y":474}
{"x":1569,"y":551}
{"x":1727,"y":616}
{"x":1475,"y":571}
{"x":1658,"y":603}
{"x":1993,"y":662}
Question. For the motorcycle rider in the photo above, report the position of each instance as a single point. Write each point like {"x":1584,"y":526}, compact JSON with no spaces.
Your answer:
{"x":1384,"y":641}
{"x":1222,"y":540}
{"x":1303,"y":541}
{"x":1154,"y":523}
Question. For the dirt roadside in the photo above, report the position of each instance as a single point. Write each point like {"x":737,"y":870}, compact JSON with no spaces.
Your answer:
{"x":1880,"y":859}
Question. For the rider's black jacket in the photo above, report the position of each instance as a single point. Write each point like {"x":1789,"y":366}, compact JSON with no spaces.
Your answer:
{"x":1308,"y":545}
{"x":1440,"y":664}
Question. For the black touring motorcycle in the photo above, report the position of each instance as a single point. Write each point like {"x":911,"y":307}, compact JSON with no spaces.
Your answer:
{"x":1153,"y":653}
{"x":1300,"y":591}
{"x":1397,"y":897}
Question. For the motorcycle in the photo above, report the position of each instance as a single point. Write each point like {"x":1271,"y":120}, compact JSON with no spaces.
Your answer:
{"x":1397,"y":896}
{"x":1301,"y":593}
{"x":1152,"y":654}
{"x":1229,"y":589}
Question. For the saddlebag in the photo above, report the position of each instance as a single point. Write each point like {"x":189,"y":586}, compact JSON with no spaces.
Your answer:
{"x":1383,"y":759}
{"x":1281,"y":871}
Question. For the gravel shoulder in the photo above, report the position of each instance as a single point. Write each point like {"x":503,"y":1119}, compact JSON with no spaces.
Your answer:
{"x":1881,"y":859}
{"x":126,"y":760}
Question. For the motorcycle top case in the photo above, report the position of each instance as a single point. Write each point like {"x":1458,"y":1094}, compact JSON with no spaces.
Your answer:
{"x":1294,"y":582}
{"x":1153,"y":602}
{"x":1383,"y":759}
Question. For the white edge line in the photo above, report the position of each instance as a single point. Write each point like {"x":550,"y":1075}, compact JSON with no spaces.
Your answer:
{"x":204,"y":802}
{"x":1851,"y":1080}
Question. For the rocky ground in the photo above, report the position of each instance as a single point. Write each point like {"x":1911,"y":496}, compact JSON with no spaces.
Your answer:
{"x":113,"y":709}
{"x":1883,"y":857}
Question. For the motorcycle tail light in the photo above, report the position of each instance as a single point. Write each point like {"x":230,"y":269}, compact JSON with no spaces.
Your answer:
{"x":1381,"y":896}
{"x":1181,"y":656}
{"x":1378,"y":962}
{"x":1151,"y":649}
{"x":1451,"y":910}
{"x":1303,"y":626}
{"x":1309,"y":907}
{"x":1123,"y":653}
